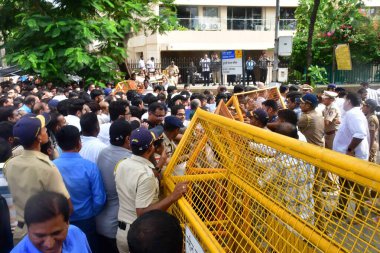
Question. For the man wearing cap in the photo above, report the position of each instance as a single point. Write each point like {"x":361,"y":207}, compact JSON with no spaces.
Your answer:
{"x":305,"y":88}
{"x":137,"y":185}
{"x":331,"y":115}
{"x":331,"y":87}
{"x":106,"y":221}
{"x":32,"y":171}
{"x":310,"y":123}
{"x":258,"y":118}
{"x":172,"y":128}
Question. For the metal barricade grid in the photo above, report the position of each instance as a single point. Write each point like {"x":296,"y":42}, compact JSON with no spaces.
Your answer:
{"x":251,"y":190}
{"x":249,"y":100}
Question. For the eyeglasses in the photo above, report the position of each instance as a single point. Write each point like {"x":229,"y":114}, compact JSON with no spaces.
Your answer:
{"x":180,"y":114}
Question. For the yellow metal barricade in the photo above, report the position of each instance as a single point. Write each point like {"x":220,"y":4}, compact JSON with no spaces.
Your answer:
{"x":251,"y":190}
{"x":240,"y":99}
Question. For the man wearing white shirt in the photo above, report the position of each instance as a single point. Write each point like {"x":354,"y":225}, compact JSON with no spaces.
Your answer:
{"x":205,"y":64}
{"x":141,"y":63}
{"x":91,"y":146}
{"x":371,"y":93}
{"x":117,"y":110}
{"x":351,"y":139}
{"x":150,"y":65}
{"x":75,"y":112}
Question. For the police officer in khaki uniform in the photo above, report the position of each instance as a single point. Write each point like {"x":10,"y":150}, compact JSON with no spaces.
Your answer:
{"x":32,"y":171}
{"x":138,"y":187}
{"x":311,"y":124}
{"x":172,"y":126}
{"x":331,"y":115}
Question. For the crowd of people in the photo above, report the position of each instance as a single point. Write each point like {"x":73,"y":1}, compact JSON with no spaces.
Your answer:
{"x":93,"y":158}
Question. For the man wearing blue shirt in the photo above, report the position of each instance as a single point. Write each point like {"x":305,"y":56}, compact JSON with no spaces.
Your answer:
{"x":47,"y":219}
{"x":83,"y":181}
{"x":249,"y":68}
{"x":29,"y":102}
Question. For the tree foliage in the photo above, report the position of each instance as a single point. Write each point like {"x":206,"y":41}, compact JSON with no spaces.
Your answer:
{"x":87,"y":38}
{"x":338,"y":21}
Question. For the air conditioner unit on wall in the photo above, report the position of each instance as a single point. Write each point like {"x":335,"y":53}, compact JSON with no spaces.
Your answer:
{"x":259,"y":27}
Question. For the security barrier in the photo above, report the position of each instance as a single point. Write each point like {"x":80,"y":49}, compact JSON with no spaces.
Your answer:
{"x":243,"y":99}
{"x":251,"y":190}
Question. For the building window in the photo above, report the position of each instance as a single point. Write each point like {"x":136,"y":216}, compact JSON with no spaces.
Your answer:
{"x":287,"y":19}
{"x":188,"y":16}
{"x":210,"y":20}
{"x":373,"y":12}
{"x":244,"y":18}
{"x":211,"y":12}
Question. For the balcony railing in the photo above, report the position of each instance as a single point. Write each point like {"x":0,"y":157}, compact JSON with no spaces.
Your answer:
{"x":216,"y":24}
{"x":200,"y":24}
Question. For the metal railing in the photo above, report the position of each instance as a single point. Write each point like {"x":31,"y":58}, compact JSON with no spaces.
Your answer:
{"x":360,"y":73}
{"x":216,"y":24}
{"x":252,"y":190}
{"x":200,"y":24}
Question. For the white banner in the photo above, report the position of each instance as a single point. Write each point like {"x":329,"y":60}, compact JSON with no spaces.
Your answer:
{"x":232,"y":66}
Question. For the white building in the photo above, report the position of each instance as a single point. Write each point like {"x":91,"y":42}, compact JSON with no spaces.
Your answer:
{"x":217,"y":25}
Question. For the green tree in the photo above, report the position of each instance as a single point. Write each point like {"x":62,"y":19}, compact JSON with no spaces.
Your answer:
{"x":309,"y":53}
{"x":338,"y":21}
{"x":87,"y":38}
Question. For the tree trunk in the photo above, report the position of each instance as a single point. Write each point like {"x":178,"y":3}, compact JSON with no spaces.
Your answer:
{"x":309,"y":52}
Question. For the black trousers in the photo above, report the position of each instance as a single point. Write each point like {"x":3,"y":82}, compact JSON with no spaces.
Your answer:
{"x":107,"y":245}
{"x":263,"y":75}
{"x":206,"y":77}
{"x":88,"y":226}
{"x":252,"y":74}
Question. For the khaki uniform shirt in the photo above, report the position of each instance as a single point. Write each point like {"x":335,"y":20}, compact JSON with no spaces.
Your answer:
{"x":30,"y":173}
{"x":172,"y":70}
{"x":331,"y":113}
{"x":312,"y":126}
{"x":169,"y":146}
{"x":373,"y":125}
{"x":136,"y":186}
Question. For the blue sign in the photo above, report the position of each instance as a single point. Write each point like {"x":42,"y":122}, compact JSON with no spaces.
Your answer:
{"x":230,"y":54}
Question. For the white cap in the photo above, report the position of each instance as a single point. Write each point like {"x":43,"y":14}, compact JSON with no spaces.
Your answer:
{"x":329,"y":94}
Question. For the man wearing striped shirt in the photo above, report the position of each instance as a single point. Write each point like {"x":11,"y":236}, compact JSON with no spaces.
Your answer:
{"x":249,"y":67}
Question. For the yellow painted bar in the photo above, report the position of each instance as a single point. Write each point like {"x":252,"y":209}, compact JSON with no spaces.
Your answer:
{"x":206,"y":170}
{"x":201,"y":177}
{"x":249,"y":241}
{"x":301,"y":227}
{"x":200,"y":228}
{"x":352,"y":168}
